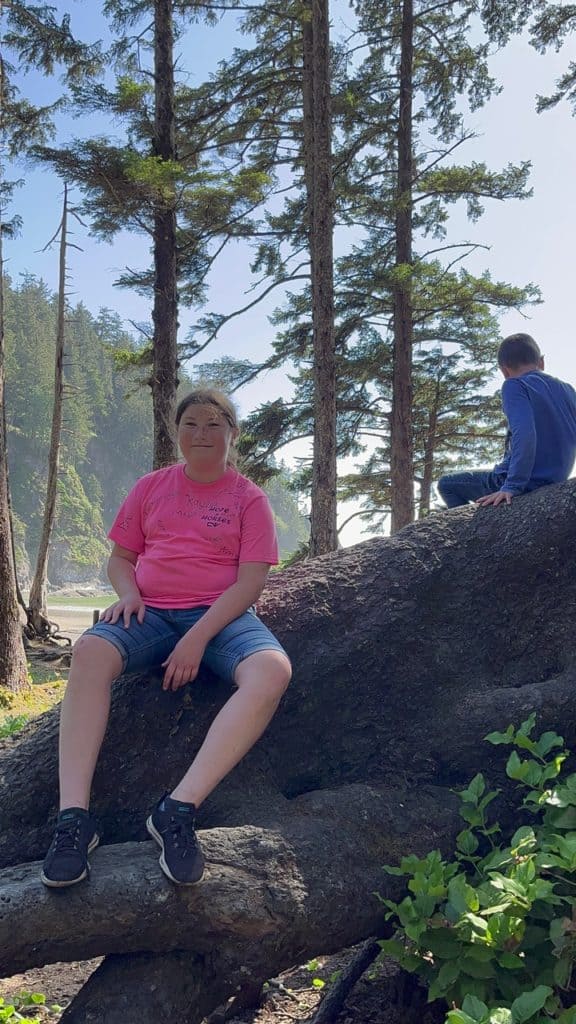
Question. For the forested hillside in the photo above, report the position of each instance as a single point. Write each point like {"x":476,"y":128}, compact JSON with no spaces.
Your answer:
{"x":107,"y":435}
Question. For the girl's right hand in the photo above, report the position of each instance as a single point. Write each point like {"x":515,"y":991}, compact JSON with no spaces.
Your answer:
{"x":127,"y":606}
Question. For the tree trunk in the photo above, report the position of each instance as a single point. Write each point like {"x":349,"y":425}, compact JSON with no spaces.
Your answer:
{"x":401,"y":442}
{"x":165,"y":310}
{"x":13,"y":668}
{"x":320,"y":202}
{"x":429,"y":452}
{"x":37,"y":602}
{"x":406,"y":652}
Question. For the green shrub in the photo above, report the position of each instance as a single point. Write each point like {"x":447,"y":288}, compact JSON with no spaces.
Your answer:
{"x":493,"y":931}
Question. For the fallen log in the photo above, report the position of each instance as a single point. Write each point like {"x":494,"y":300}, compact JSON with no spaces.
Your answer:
{"x":406,"y":651}
{"x":275,"y":887}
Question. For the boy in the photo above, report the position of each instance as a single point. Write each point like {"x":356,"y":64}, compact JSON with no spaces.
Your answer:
{"x":541,"y":440}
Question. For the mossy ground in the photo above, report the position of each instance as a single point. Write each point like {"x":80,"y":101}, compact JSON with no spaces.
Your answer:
{"x":46,"y":689}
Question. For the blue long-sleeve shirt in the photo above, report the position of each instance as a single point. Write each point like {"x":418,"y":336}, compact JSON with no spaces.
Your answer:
{"x":541,"y":447}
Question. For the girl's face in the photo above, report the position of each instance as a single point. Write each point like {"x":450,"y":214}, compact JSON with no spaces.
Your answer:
{"x":205,"y":436}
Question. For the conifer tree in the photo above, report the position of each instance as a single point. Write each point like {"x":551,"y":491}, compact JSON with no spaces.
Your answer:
{"x":33,"y":39}
{"x":158,"y":181}
{"x":419,"y":64}
{"x":317,"y":156}
{"x":37,"y":610}
{"x":13,"y":669}
{"x":397,"y":123}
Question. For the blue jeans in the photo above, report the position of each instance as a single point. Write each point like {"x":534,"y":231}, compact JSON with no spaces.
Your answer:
{"x":460,"y":488}
{"x":148,"y":643}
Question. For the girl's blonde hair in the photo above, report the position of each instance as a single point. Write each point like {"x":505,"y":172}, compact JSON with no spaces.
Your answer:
{"x":212,"y":396}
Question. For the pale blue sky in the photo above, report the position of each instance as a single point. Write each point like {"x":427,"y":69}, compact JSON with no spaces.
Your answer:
{"x":530,"y":240}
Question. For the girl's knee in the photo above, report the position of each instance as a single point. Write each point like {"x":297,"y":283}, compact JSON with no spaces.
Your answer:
{"x":280,"y":675}
{"x":284,"y":672}
{"x":270,"y":668}
{"x":92,"y":652}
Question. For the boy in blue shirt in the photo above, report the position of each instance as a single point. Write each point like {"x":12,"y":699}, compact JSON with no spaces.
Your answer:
{"x":541,"y":440}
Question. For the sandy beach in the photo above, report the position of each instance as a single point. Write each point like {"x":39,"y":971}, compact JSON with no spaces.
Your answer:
{"x":71,"y":619}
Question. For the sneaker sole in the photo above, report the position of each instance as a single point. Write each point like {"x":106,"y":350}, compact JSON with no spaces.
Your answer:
{"x":53,"y":884}
{"x":156,"y":835}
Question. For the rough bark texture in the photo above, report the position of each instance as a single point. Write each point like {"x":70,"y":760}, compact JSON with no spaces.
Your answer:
{"x":165,"y":309}
{"x":13,"y":669}
{"x":268,"y":891}
{"x":406,"y":651}
{"x":320,"y":203}
{"x":401,"y":443}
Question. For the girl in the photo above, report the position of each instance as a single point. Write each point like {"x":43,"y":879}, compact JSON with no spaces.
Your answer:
{"x":193,"y":545}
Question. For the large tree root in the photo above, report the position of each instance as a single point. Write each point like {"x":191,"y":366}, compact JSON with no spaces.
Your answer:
{"x":303,"y":882}
{"x":406,"y":653}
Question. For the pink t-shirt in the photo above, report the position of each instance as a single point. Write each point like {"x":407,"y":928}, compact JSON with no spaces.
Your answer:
{"x":191,"y":537}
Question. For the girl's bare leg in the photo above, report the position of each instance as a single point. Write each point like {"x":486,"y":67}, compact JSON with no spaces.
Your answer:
{"x":261,"y":680}
{"x":84,"y":716}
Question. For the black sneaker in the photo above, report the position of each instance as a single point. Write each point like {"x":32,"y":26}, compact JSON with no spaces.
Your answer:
{"x":171,"y":824}
{"x":67,"y":859}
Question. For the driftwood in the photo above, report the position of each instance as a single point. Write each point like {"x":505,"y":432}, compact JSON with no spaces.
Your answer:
{"x":406,"y":652}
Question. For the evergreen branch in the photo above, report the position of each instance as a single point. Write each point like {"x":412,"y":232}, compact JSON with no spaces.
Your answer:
{"x":283,"y":266}
{"x":238,"y":312}
{"x":367,"y":513}
{"x":444,"y":153}
{"x":471,"y":247}
{"x":420,"y":15}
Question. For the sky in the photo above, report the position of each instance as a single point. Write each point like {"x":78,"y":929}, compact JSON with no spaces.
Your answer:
{"x":528,"y":241}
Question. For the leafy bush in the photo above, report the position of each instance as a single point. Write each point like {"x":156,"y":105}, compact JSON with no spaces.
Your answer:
{"x":493,"y":931}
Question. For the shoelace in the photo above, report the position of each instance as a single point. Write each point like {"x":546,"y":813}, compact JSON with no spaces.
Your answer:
{"x":67,"y":836}
{"x":183,"y":835}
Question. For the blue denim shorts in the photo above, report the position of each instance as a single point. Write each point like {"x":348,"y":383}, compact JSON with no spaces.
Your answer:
{"x":143,"y":645}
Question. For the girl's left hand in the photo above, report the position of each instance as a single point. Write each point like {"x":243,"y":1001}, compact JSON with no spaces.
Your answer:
{"x":183,"y":663}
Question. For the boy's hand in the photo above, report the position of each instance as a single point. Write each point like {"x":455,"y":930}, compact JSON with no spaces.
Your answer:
{"x":183,"y":663}
{"x":496,"y":499}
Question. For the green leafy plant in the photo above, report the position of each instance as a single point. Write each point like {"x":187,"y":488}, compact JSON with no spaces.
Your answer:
{"x":493,"y":931}
{"x":11,"y":726}
{"x":10,"y":1013}
{"x":314,"y":966}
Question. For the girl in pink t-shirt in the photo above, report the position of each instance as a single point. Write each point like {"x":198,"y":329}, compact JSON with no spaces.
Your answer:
{"x":193,"y":545}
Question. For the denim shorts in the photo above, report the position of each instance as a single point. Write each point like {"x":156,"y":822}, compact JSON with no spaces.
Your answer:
{"x":148,"y":643}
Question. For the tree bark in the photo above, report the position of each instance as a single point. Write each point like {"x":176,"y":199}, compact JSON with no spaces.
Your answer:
{"x":13,"y":667}
{"x":37,"y":601}
{"x":429,"y":453}
{"x":268,"y":892}
{"x":165,"y":310}
{"x":320,"y":202}
{"x":401,"y":441}
{"x":406,"y":652}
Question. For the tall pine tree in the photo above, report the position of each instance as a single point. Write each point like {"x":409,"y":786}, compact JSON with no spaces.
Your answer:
{"x":33,"y":38}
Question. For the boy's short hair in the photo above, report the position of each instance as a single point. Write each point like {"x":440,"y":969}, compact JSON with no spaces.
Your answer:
{"x":518,"y":350}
